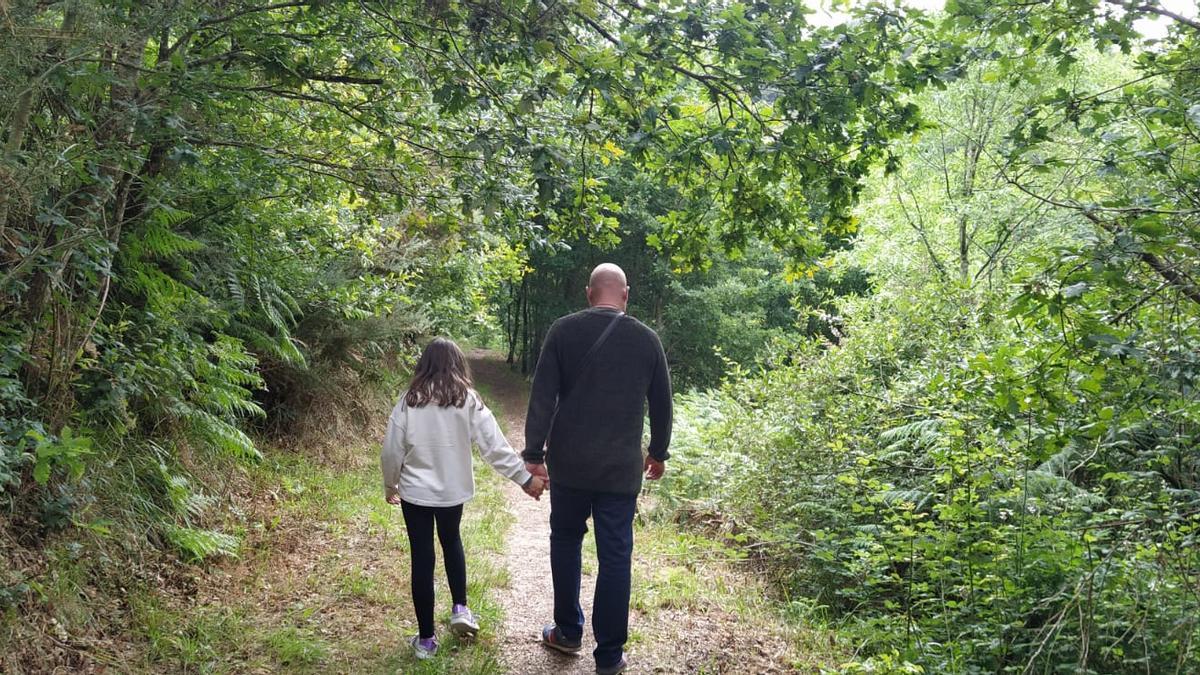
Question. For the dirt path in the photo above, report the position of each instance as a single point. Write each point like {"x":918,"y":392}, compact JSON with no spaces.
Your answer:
{"x":689,"y":611}
{"x":528,"y":599}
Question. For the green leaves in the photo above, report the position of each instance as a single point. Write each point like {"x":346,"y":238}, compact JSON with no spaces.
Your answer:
{"x":66,"y":453}
{"x":199,"y":545}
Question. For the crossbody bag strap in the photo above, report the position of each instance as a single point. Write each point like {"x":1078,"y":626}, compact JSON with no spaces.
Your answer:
{"x":583,"y":364}
{"x":587,"y":358}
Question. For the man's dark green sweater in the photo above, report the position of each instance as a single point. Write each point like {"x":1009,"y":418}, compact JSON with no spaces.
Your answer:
{"x":596,"y":441}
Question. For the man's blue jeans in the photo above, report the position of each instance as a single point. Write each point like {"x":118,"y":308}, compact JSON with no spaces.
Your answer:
{"x":612,"y":516}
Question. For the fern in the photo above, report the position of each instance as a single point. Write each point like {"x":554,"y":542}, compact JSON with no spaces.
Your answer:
{"x":196,"y":545}
{"x":234,"y":287}
{"x":1059,"y":464}
{"x":287,"y":350}
{"x":920,"y":499}
{"x":914,"y":435}
{"x":157,"y":239}
{"x":163,"y":293}
{"x":282,"y":303}
{"x":222,"y":434}
{"x":186,"y":502}
{"x":260,"y":300}
{"x":232,"y":364}
{"x":1044,"y":485}
{"x":283,"y":348}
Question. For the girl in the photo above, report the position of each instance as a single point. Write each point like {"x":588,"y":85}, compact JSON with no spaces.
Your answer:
{"x":427,"y":471}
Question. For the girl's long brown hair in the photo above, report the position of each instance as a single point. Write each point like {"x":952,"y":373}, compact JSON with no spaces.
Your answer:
{"x":442,"y":376}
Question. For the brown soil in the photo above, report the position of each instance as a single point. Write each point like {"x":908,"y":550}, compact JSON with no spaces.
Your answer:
{"x":697,"y":636}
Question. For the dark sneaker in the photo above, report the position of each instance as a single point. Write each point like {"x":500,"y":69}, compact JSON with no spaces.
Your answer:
{"x":553,"y":638}
{"x":614,"y":670}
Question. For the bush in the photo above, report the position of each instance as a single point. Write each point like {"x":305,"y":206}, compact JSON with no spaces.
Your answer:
{"x":963,"y":493}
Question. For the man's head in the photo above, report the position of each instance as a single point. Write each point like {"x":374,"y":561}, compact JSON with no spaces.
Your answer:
{"x":607,"y":287}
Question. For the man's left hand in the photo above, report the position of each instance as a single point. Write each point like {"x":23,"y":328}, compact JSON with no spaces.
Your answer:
{"x":654,"y":468}
{"x":538,"y":470}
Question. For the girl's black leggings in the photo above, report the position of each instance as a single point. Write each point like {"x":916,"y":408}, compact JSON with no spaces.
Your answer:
{"x":419,"y":521}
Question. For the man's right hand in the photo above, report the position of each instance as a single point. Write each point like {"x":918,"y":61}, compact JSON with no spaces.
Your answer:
{"x":654,"y":468}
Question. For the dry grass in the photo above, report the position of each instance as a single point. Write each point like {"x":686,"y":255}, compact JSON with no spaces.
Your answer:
{"x":320,"y":583}
{"x":702,"y":607}
{"x":329,"y":415}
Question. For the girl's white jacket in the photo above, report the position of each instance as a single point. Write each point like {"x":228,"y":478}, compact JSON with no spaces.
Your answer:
{"x":427,"y":452}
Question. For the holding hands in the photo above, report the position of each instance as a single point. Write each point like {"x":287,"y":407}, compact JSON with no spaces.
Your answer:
{"x":539,"y":482}
{"x":534,"y":487}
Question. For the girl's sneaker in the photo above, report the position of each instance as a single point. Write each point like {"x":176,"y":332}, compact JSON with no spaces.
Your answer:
{"x":424,"y":648}
{"x":463,"y":622}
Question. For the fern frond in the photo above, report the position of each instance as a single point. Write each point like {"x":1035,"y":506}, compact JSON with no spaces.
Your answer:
{"x":915,"y":435}
{"x":186,"y":501}
{"x":285,"y":306}
{"x":1059,"y":463}
{"x":231,"y":400}
{"x":290,"y":353}
{"x":222,"y":434}
{"x":283,"y":348}
{"x":233,"y":369}
{"x":158,"y":238}
{"x":200,"y":545}
{"x":236,"y":292}
{"x":1043,"y":485}
{"x":163,"y":292}
{"x":918,"y":498}
{"x":168,"y":216}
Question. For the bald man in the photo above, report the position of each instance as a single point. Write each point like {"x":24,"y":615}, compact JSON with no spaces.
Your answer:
{"x":598,"y":370}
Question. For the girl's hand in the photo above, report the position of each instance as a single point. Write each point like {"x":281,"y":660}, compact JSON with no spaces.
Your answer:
{"x":535,"y":487}
{"x":394,"y":500}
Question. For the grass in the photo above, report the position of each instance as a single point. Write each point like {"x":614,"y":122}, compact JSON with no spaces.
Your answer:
{"x":318,"y":582}
{"x":297,"y":647}
{"x":680,"y":569}
{"x":684,"y":574}
{"x":322,"y":582}
{"x":193,"y":642}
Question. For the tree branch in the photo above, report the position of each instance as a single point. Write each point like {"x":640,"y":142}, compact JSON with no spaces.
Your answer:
{"x":345,"y":79}
{"x":1148,"y":8}
{"x":187,"y":35}
{"x":252,"y":10}
{"x":1179,"y":280}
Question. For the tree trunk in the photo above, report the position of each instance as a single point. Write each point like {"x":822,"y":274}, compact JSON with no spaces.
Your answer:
{"x":510,"y":328}
{"x":964,"y":251}
{"x":525,"y":325}
{"x":20,"y":120}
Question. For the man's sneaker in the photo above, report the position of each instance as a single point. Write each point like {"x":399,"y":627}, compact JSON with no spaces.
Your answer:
{"x":424,"y":648}
{"x":553,"y":638}
{"x":614,"y":670}
{"x":463,"y":622}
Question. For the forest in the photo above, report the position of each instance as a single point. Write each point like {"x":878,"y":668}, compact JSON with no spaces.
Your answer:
{"x":927,"y":280}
